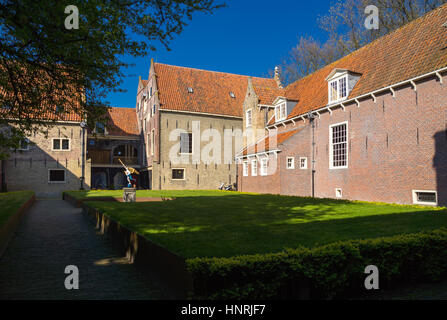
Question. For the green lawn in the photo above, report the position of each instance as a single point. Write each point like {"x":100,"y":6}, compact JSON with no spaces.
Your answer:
{"x":216,"y":223}
{"x":10,"y":202}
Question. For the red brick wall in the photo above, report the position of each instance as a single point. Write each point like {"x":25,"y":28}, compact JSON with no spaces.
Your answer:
{"x":414,"y":158}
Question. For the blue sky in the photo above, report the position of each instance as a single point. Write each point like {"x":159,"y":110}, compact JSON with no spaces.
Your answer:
{"x":247,"y":37}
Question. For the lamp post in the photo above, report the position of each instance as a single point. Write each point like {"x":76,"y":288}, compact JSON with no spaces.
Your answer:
{"x":83,"y":127}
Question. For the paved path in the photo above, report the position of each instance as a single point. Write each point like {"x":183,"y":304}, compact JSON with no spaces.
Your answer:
{"x":54,"y":234}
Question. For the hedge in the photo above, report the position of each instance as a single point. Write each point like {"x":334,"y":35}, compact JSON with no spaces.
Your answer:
{"x":327,"y":272}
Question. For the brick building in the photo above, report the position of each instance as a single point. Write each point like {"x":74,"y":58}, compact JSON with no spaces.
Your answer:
{"x":180,"y":112}
{"x":370,"y":126}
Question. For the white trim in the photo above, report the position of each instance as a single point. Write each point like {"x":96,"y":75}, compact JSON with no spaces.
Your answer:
{"x":61,"y":150}
{"x":192,"y":144}
{"x":331,"y":146}
{"x":305,"y":167}
{"x":264,"y":173}
{"x":415,"y":198}
{"x":338,"y":193}
{"x":292,"y":165}
{"x":439,"y":75}
{"x":258,"y":153}
{"x":254,"y":172}
{"x":245,"y":168}
{"x":57,"y":182}
{"x":393,"y":92}
{"x":356,"y":99}
{"x":184,"y":174}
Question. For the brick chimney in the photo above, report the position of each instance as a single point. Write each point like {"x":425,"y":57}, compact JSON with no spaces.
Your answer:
{"x":277,"y":77}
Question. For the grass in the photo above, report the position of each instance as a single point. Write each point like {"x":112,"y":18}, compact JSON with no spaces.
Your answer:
{"x":10,"y":202}
{"x":224,"y":224}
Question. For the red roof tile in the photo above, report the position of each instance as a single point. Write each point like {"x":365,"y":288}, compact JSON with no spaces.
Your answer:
{"x":211,"y":90}
{"x":415,"y":49}
{"x":264,"y":144}
{"x":122,"y":122}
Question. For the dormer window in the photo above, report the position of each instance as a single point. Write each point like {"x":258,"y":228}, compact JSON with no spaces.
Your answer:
{"x":281,"y":112}
{"x":340,"y":84}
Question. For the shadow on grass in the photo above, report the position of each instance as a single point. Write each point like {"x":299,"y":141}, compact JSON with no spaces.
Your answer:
{"x":246,"y":224}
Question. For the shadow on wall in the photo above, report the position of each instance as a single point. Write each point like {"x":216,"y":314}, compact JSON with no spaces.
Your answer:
{"x":47,"y":175}
{"x":440,"y":165}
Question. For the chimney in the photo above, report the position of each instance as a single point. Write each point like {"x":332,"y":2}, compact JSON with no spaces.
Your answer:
{"x":277,"y":77}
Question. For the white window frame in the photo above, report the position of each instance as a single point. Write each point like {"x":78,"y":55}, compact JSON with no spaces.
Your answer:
{"x":292,"y":166}
{"x":264,"y":171}
{"x":184,"y":174}
{"x":248,"y":118}
{"x":192,"y":144}
{"x":338,"y":96}
{"x":281,"y":109}
{"x":331,"y":146}
{"x":305,"y":163}
{"x":27,"y":145}
{"x":337,"y":192}
{"x":245,"y":168}
{"x":60,"y":182}
{"x":61,"y":150}
{"x":415,"y":197}
{"x":254,"y":168}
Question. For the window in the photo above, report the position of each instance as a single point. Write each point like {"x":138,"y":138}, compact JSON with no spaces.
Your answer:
{"x":61,"y":144}
{"x":264,"y":166}
{"x":152,"y":141}
{"x":254,"y":168}
{"x":338,"y":146}
{"x":56,"y":175}
{"x":281,"y":112}
{"x":154,"y":108}
{"x":338,"y":89}
{"x":178,"y":174}
{"x":338,"y":193}
{"x":24,"y":144}
{"x":144,"y":125}
{"x":248,"y":118}
{"x":245,"y":168}
{"x":150,"y":93}
{"x":425,"y":197}
{"x":303,"y":163}
{"x":100,"y":128}
{"x":232,"y":95}
{"x":190,"y":90}
{"x":290,"y":163}
{"x":186,"y":143}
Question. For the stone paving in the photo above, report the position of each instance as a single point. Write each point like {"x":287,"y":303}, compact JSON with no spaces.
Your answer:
{"x":53,"y":235}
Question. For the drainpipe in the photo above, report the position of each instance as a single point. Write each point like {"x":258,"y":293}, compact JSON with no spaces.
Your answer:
{"x":312,"y":121}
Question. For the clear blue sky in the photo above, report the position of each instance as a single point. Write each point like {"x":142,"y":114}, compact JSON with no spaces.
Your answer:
{"x":248,"y":37}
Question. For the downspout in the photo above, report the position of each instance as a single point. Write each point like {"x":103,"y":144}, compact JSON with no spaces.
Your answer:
{"x":312,"y":121}
{"x":83,"y":125}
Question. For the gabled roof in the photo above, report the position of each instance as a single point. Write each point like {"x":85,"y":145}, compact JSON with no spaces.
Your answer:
{"x":122,"y":122}
{"x":415,"y":49}
{"x":211,"y":90}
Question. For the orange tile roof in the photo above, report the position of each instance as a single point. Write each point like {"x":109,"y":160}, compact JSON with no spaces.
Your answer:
{"x":415,"y":49}
{"x":122,"y":122}
{"x":211,"y":90}
{"x":264,"y":144}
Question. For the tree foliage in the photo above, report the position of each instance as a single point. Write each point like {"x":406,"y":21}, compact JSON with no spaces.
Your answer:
{"x":43,"y":65}
{"x":344,"y":26}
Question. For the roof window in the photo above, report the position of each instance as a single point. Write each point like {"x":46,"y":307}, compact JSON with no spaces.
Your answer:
{"x":232,"y":94}
{"x":190,"y":90}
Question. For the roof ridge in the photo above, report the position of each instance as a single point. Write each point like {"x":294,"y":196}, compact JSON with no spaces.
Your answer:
{"x":372,"y":42}
{"x":211,"y":71}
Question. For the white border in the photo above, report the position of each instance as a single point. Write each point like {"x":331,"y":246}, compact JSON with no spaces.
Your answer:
{"x":415,"y":197}
{"x":253,"y":173}
{"x":293,"y":163}
{"x":331,"y":147}
{"x":336,"y":193}
{"x":305,"y":167}
{"x":59,"y":150}
{"x":245,"y":168}
{"x":184,"y":174}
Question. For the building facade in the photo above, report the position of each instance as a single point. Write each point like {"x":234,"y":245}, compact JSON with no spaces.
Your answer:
{"x":371,"y":126}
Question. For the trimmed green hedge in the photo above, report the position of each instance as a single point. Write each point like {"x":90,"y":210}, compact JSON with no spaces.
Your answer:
{"x":326,"y":272}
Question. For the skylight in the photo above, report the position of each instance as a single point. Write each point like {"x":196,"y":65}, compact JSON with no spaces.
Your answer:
{"x":190,"y":90}
{"x":232,"y":95}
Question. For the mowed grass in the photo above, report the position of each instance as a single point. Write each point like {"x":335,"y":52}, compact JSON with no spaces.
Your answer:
{"x":223,"y":224}
{"x":10,"y":202}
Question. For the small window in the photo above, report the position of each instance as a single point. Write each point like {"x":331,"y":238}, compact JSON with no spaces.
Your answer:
{"x":245,"y":168}
{"x":154,"y":109}
{"x":186,"y":143}
{"x":281,"y":112}
{"x":338,"y":89}
{"x":150,"y":93}
{"x":338,"y":146}
{"x":338,"y":193}
{"x":190,"y":90}
{"x":178,"y":174}
{"x":232,"y":95}
{"x":303,"y":163}
{"x":290,"y":163}
{"x":425,"y":197}
{"x":56,"y":176}
{"x":264,"y":166}
{"x":248,"y":118}
{"x":254,"y":168}
{"x":24,"y":144}
{"x":61,"y":144}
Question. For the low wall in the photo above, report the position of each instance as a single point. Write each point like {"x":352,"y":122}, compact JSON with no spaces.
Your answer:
{"x":170,"y":267}
{"x":8,"y":229}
